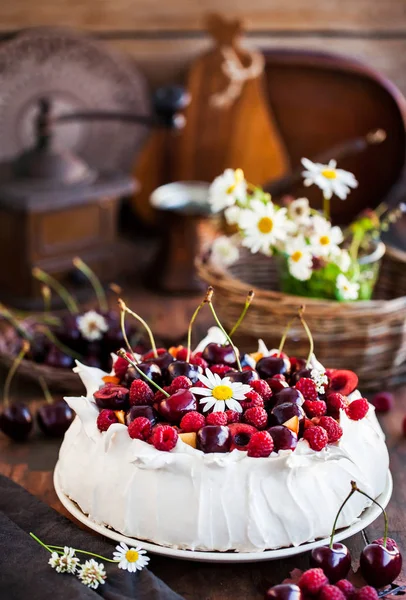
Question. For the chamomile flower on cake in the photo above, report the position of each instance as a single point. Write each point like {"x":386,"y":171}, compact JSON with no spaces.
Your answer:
{"x":130,"y":559}
{"x":348,"y":290}
{"x":220,"y":393}
{"x":326,"y":238}
{"x":300,"y":259}
{"x":92,"y":325}
{"x":263,"y":226}
{"x":328,"y":178}
{"x":227,"y":189}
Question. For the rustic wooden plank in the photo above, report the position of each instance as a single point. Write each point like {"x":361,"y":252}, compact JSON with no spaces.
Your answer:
{"x":150,"y":15}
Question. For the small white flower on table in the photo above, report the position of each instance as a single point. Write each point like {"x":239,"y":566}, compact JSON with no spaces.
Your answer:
{"x":299,"y":259}
{"x":326,"y":239}
{"x":130,"y":559}
{"x":328,"y":178}
{"x":347,"y":289}
{"x":219,"y":393}
{"x":92,"y":325}
{"x":263,"y":226}
{"x":92,"y":574}
{"x":223,"y":251}
{"x":227,"y":189}
{"x":64,"y":563}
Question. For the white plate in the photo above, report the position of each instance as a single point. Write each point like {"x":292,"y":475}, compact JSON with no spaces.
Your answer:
{"x":368,"y":516}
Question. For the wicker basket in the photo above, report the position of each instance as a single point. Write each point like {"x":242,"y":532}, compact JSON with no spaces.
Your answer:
{"x":367,"y":336}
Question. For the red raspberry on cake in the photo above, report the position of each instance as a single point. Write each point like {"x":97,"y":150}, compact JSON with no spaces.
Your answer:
{"x":180,"y":383}
{"x":199,"y":361}
{"x":335,"y":402}
{"x":140,"y":393}
{"x":192,"y":422}
{"x":333,"y":429}
{"x":241,"y":434}
{"x":308,"y":423}
{"x":331,"y":592}
{"x":312,"y":581}
{"x":316,"y":408}
{"x":260,"y":445}
{"x":140,"y":429}
{"x":121,"y":366}
{"x":106,"y":417}
{"x":256,"y":416}
{"x":347,"y":588}
{"x":308,"y":388}
{"x":366,"y":593}
{"x":181,"y":353}
{"x":216,"y":418}
{"x":220,"y":369}
{"x":262,"y":388}
{"x":358,"y":409}
{"x":316,"y":437}
{"x":252,"y":399}
{"x":233,"y":416}
{"x":164,"y":437}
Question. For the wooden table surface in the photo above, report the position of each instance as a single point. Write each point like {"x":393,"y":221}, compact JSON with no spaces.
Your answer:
{"x":31,"y":465}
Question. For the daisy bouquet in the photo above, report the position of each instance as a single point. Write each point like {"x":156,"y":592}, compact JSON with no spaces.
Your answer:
{"x":316,"y":258}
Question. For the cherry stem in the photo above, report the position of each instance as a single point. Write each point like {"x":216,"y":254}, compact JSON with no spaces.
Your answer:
{"x":207,"y":298}
{"x":6,"y":314}
{"x":234,"y":347}
{"x":338,"y":514}
{"x":309,"y":335}
{"x":62,"y":292}
{"x":46,"y":296}
{"x":64,"y":349}
{"x":240,"y":319}
{"x":385,"y":516}
{"x":45,"y":389}
{"x":285,"y":334}
{"x":95,"y":282}
{"x":123,"y":306}
{"x":16,"y":363}
{"x":123,"y":354}
{"x":122,"y":325}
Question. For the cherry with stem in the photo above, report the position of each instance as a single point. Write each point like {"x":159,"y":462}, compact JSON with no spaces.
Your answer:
{"x":210,"y":292}
{"x":95,"y":282}
{"x":125,"y":308}
{"x":249,"y":299}
{"x":191,"y":323}
{"x":123,"y":354}
{"x":54,"y":284}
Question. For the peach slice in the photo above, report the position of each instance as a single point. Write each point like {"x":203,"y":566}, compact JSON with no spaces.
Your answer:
{"x":292,"y":424}
{"x":120,"y":414}
{"x":189,"y":438}
{"x":111,"y":379}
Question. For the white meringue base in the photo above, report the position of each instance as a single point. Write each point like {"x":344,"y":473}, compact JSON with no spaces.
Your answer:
{"x":189,"y":500}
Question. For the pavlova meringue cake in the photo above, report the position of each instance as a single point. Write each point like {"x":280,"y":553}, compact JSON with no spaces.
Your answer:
{"x":221,"y":458}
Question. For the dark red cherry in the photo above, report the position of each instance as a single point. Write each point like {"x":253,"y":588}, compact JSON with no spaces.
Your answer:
{"x":54,"y":419}
{"x":16,"y":421}
{"x":213,"y":438}
{"x":283,"y":438}
{"x":289,"y":395}
{"x":268,"y":366}
{"x":56,"y":358}
{"x":335,"y":561}
{"x":299,"y":374}
{"x":276,"y":384}
{"x":244,"y":376}
{"x":172,"y":409}
{"x":149,"y":368}
{"x":284,"y":591}
{"x":141,"y":410}
{"x":241,"y":434}
{"x":380,"y":566}
{"x":115,"y":397}
{"x":163,"y":360}
{"x":181,"y":367}
{"x":283,"y":412}
{"x":219,"y":354}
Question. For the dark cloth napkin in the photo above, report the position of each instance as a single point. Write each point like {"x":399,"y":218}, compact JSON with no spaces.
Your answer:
{"x":24,"y":569}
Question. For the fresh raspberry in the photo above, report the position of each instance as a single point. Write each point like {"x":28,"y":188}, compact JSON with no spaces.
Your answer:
{"x":121,"y":366}
{"x":316,"y":408}
{"x":159,"y":396}
{"x":181,"y":353}
{"x":358,"y":409}
{"x":312,"y":580}
{"x":390,"y":543}
{"x":180,"y":383}
{"x":346,"y":587}
{"x":316,"y":437}
{"x":140,"y":393}
{"x":256,"y":416}
{"x":252,"y":399}
{"x":192,"y":421}
{"x":106,"y":417}
{"x":216,"y":418}
{"x":262,"y":388}
{"x":308,"y":388}
{"x":383,"y":402}
{"x":335,"y":401}
{"x":199,"y":361}
{"x":233,"y":416}
{"x":366,"y":593}
{"x":331,"y":592}
{"x":334,"y":431}
{"x":164,"y":437}
{"x":140,"y":429}
{"x":260,"y":444}
{"x":241,"y":434}
{"x":220,"y":369}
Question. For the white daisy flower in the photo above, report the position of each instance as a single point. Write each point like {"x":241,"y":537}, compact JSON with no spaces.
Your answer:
{"x":325,"y":239}
{"x":328,"y":178}
{"x":233,"y":214}
{"x":227,"y":189}
{"x":223,"y":252}
{"x":343,"y":260}
{"x":300,"y":260}
{"x":299,"y":211}
{"x":348,"y":290}
{"x":219,"y":393}
{"x":92,"y":325}
{"x":130,"y":559}
{"x":92,"y":574}
{"x":64,"y":563}
{"x":320,"y":379}
{"x":263,"y":226}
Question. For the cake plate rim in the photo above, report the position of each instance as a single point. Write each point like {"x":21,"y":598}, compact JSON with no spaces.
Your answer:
{"x":369,"y":515}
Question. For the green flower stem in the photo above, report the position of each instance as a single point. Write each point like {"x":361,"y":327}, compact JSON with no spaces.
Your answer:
{"x":61,"y":548}
{"x":326,"y":208}
{"x":338,"y":514}
{"x":385,"y":516}
{"x":123,"y":354}
{"x":69,"y":300}
{"x":122,"y":325}
{"x":6,"y":314}
{"x":52,"y":338}
{"x":45,"y":389}
{"x":248,"y":301}
{"x":124,"y":307}
{"x":16,"y":363}
{"x":207,"y":298}
{"x":234,"y":347}
{"x":40,"y":543}
{"x":94,"y":280}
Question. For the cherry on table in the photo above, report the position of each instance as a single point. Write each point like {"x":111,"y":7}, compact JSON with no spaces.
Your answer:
{"x":16,"y":421}
{"x":335,"y":561}
{"x":55,"y":419}
{"x":380,"y":566}
{"x":284,"y":591}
